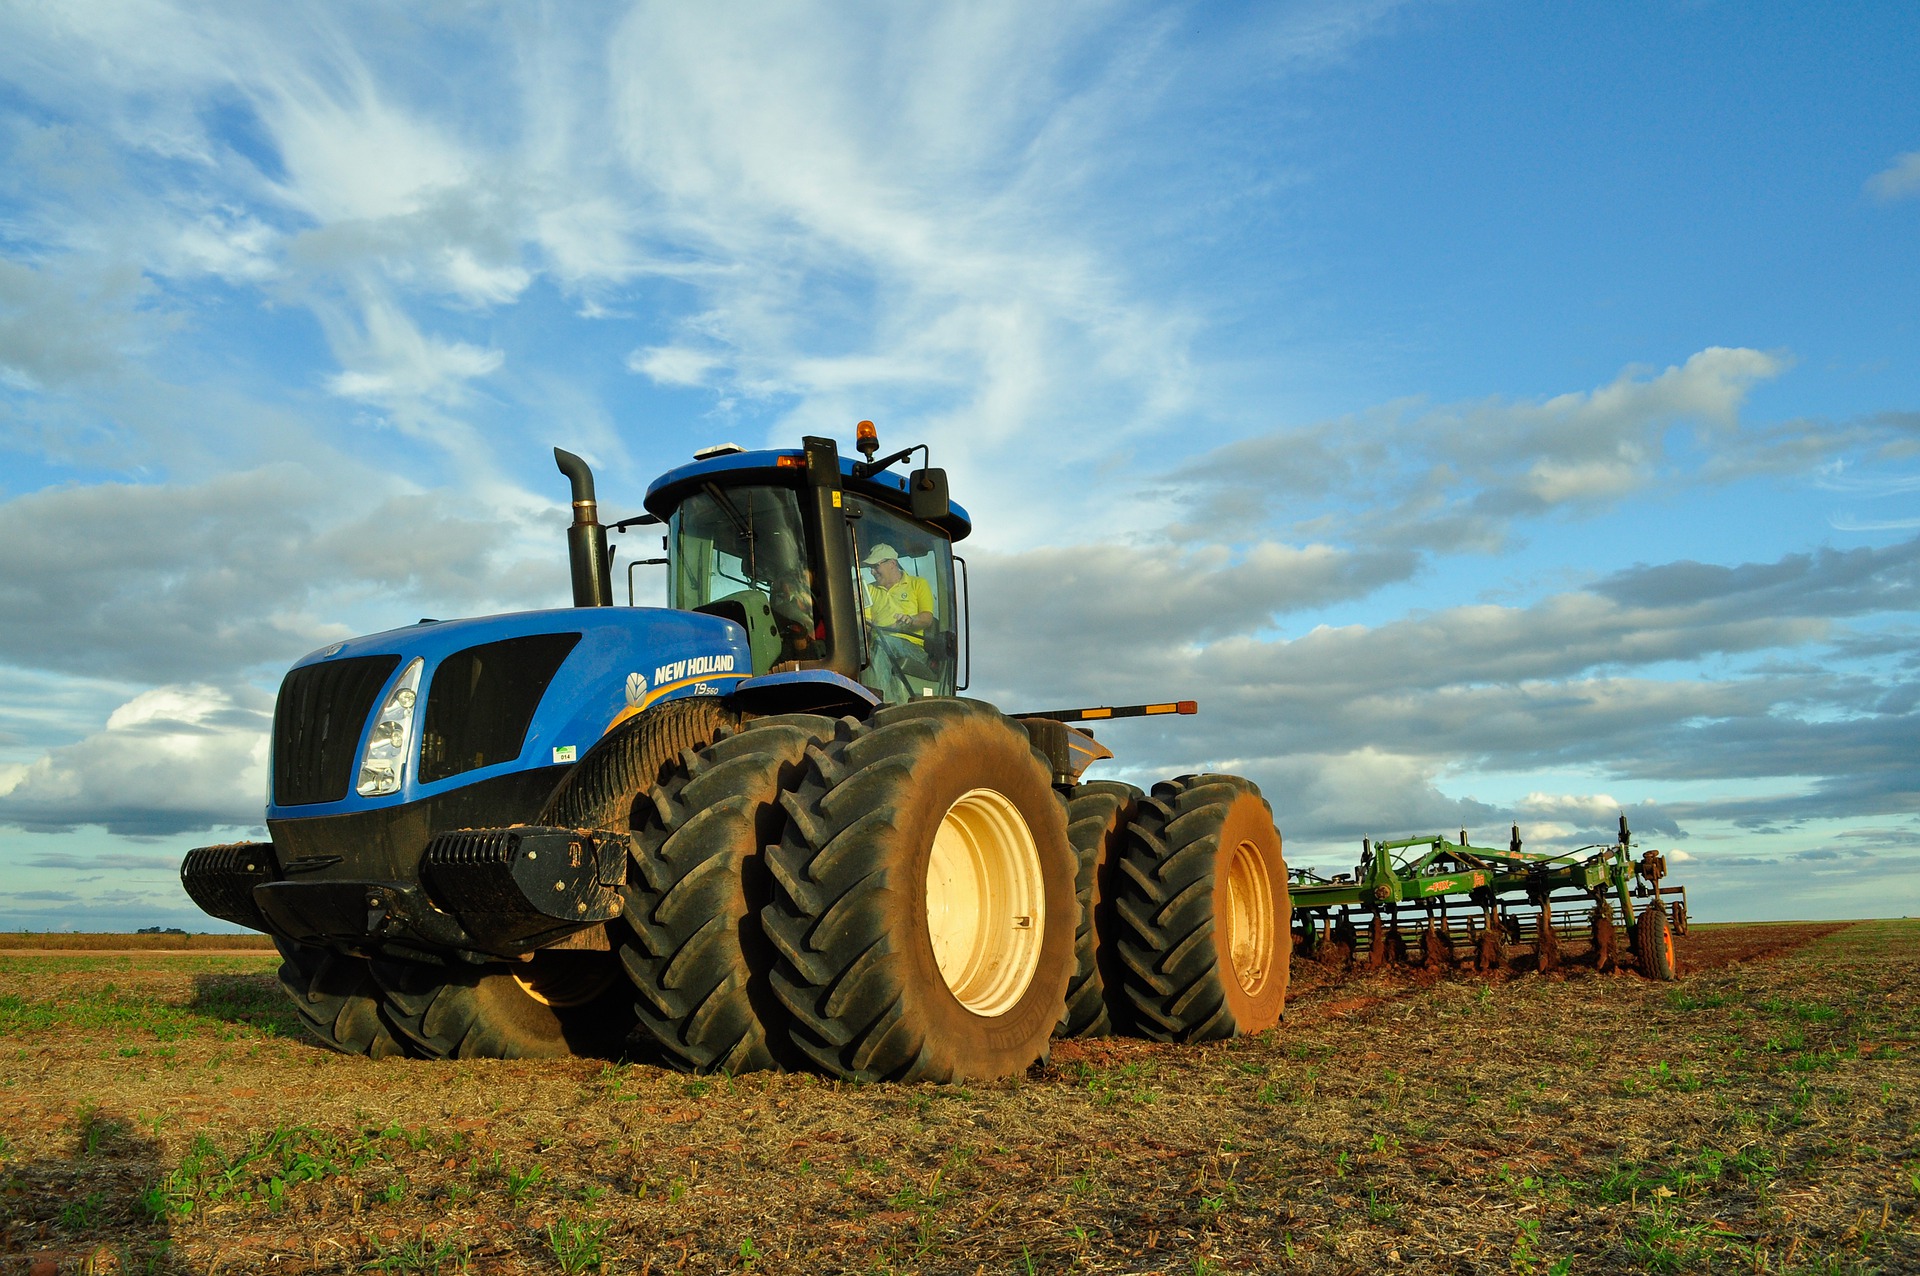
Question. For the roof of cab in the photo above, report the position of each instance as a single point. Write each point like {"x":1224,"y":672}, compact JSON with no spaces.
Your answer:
{"x":667,"y":491}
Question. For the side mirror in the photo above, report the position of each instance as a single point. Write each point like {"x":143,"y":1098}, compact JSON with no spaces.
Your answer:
{"x":927,"y":494}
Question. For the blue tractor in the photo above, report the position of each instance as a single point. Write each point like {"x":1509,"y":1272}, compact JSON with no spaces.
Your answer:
{"x":759,"y":828}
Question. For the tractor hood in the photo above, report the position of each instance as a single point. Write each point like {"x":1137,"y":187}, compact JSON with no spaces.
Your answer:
{"x":490,"y":696}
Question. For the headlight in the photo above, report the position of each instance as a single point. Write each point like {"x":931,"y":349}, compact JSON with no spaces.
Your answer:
{"x":384,"y":763}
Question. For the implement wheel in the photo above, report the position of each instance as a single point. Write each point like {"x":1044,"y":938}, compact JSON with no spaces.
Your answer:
{"x":923,"y":905}
{"x":1097,"y":815}
{"x":1205,"y":917}
{"x":336,"y":998}
{"x":1653,"y":944}
{"x":560,"y":1003}
{"x":693,"y":949}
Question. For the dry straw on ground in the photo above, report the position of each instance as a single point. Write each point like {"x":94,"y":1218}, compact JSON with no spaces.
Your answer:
{"x":162,"y":1112}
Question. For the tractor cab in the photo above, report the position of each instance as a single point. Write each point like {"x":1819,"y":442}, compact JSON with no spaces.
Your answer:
{"x":833,"y":567}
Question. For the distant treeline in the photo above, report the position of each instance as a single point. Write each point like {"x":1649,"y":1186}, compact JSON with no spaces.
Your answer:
{"x":145,"y":939}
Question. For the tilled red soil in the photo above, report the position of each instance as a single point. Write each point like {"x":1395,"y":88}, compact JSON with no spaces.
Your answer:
{"x":1319,"y":995}
{"x":1712,"y":947}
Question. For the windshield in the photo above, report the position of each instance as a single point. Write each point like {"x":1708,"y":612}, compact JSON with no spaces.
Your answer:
{"x":906,"y":602}
{"x":739,"y":552}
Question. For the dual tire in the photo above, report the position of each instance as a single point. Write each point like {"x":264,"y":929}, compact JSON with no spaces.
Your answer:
{"x":694,"y":953}
{"x":337,"y":999}
{"x":1202,"y":914}
{"x":875,"y":900}
{"x":1098,"y":813}
{"x":924,"y":911}
{"x":931,"y":905}
{"x":559,"y":1004}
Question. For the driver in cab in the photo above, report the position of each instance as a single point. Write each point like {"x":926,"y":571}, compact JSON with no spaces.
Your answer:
{"x":898,"y":604}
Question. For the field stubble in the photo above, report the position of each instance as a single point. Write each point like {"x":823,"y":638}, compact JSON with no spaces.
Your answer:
{"x":162,"y":1112}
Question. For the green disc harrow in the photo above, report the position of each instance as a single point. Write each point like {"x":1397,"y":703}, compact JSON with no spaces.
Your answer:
{"x":1439,"y":904}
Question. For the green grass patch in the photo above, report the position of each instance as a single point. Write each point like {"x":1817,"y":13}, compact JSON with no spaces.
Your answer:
{"x":220,"y":1003}
{"x":270,"y":1165}
{"x":577,"y":1244}
{"x":1754,"y":1166}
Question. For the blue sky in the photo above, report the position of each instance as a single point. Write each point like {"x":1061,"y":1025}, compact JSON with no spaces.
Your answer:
{"x":1488,"y":412}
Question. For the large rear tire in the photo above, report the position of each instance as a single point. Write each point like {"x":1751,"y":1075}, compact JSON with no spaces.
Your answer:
{"x":336,"y":999}
{"x":1204,"y":915}
{"x":559,"y":1004}
{"x":1097,"y":815}
{"x":693,"y":950}
{"x":923,"y":910}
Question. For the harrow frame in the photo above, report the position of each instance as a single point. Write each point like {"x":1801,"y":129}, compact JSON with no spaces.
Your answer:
{"x":1439,"y":893}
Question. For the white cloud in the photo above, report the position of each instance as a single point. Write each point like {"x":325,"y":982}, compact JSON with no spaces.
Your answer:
{"x":1412,"y":704}
{"x":350,"y":154}
{"x":1591,"y":806}
{"x":173,"y":759}
{"x":392,"y":363}
{"x":1555,"y":483}
{"x":484,"y":283}
{"x":230,"y":244}
{"x":674,"y":365}
{"x":873,"y":215}
{"x":1456,"y":477}
{"x":1041,"y":599}
{"x":1898,"y":180}
{"x":1173,"y":620}
{"x":199,"y":581}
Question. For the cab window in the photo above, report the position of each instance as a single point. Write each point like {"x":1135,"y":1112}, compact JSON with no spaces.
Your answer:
{"x":739,"y":553}
{"x":907,"y":609}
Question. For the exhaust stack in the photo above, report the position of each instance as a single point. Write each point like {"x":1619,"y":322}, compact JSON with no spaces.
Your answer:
{"x":587,"y":538}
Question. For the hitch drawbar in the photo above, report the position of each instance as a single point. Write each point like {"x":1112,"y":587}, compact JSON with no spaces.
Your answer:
{"x":500,"y":892}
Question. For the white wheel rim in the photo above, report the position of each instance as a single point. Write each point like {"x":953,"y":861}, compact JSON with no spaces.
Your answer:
{"x":986,"y":902}
{"x":564,"y":983}
{"x":1249,"y":917}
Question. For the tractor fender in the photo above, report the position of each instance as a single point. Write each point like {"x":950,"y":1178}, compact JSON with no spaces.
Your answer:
{"x":803,"y":691}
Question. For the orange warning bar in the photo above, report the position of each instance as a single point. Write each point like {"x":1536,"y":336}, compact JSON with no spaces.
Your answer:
{"x":1102,"y":712}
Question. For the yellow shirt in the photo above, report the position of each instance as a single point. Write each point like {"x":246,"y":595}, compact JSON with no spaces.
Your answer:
{"x":888,"y":607}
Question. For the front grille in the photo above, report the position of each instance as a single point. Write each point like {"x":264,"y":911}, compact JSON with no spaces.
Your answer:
{"x":317,"y":723}
{"x":482,"y":702}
